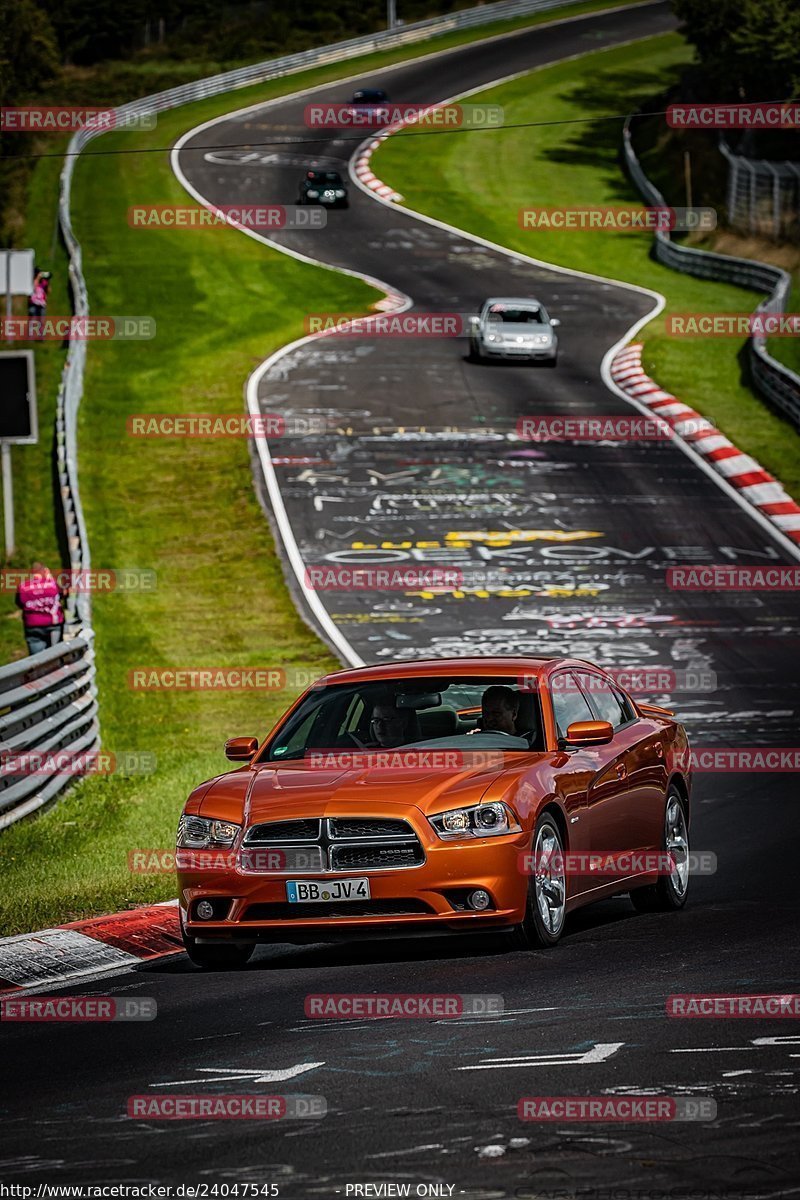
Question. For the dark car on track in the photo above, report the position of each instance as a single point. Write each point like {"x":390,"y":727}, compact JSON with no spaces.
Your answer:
{"x":323,"y":187}
{"x":367,"y":104}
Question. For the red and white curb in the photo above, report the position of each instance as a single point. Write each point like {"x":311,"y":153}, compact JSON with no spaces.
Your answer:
{"x":741,"y":471}
{"x":365,"y":175}
{"x":85,"y":947}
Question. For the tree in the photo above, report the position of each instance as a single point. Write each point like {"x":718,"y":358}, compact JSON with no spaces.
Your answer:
{"x":749,"y":49}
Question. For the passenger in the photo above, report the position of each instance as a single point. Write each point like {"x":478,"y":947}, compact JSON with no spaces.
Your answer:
{"x":499,"y":708}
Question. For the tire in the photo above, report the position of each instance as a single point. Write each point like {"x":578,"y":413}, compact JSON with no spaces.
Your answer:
{"x":547,"y":892}
{"x":474,"y":355}
{"x":669,"y":894}
{"x":222,"y":957}
{"x":552,"y":362}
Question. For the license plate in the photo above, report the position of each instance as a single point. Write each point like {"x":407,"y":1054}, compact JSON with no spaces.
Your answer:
{"x":315,"y":891}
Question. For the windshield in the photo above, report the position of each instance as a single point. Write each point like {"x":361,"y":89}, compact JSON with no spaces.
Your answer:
{"x":332,"y":177}
{"x":516,"y":316}
{"x":467,"y":713}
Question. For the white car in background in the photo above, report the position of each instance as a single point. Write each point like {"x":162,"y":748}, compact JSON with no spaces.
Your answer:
{"x":512,"y":327}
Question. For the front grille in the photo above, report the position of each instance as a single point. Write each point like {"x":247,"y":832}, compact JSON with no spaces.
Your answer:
{"x":285,"y":831}
{"x":342,"y":843}
{"x":364,"y":827}
{"x":353,"y":908}
{"x":352,"y":858}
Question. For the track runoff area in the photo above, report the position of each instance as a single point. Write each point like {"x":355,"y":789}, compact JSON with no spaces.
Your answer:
{"x":411,"y":448}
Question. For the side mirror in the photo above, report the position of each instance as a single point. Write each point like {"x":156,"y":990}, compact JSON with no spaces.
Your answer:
{"x":589,"y":733}
{"x":554,"y":321}
{"x":474,"y":324}
{"x":242,"y":749}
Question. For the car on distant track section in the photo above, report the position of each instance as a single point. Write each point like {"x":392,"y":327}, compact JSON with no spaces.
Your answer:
{"x":323,"y":187}
{"x":369,"y":106}
{"x":510,"y":327}
{"x":437,"y":796}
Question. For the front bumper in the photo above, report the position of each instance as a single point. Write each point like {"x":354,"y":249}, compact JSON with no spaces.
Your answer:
{"x":407,"y":901}
{"x":494,"y":350}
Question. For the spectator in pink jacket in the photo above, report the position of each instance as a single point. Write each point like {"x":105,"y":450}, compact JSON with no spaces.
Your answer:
{"x":40,"y":599}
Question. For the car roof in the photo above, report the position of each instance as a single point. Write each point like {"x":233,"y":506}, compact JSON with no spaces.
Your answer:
{"x":515,"y":301}
{"x":436,"y":667}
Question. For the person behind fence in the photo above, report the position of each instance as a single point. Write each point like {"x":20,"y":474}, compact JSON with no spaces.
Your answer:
{"x":37,"y":305}
{"x":40,"y":599}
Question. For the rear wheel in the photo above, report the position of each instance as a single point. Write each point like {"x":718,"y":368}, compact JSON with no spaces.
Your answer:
{"x":545,"y":908}
{"x":672,"y":889}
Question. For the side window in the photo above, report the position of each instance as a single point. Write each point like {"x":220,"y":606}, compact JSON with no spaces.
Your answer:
{"x":569,"y":702}
{"x":352,"y":718}
{"x":608,"y":702}
{"x":297,"y":739}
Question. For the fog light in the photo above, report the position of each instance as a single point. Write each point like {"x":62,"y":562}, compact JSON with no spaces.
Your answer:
{"x":205,"y":910}
{"x":479,"y":899}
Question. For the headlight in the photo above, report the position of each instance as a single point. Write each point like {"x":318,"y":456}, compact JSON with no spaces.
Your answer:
{"x":313,"y":195}
{"x":339,"y":193}
{"x":480,"y":820}
{"x":493,"y":337}
{"x":197,"y":833}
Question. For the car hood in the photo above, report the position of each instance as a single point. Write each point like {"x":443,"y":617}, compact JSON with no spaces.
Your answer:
{"x":280,"y":791}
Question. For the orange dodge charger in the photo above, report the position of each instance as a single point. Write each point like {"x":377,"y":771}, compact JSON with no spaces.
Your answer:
{"x":442,"y":796}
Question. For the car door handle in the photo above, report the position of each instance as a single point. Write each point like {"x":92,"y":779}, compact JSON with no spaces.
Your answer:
{"x":621,"y":770}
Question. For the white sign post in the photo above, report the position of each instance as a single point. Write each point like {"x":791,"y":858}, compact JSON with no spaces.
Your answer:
{"x":16,"y":275}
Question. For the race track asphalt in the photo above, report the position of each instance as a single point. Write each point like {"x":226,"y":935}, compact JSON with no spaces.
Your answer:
{"x":434,"y":1101}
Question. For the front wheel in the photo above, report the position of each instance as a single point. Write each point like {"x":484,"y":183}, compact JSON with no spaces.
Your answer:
{"x":551,"y":362}
{"x":672,"y":889}
{"x":546,"y":903}
{"x":225,"y":956}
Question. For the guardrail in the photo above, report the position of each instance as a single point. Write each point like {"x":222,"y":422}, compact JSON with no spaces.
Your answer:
{"x":771,"y":378}
{"x":48,"y":703}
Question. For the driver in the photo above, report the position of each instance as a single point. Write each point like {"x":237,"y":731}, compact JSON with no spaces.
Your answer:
{"x":388,"y":726}
{"x":499,"y":708}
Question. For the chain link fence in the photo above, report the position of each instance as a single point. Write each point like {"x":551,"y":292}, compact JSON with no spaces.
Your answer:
{"x":763,"y":197}
{"x":771,"y":378}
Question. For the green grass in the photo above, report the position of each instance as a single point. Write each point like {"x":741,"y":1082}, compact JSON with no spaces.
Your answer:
{"x":184,"y":508}
{"x":479,"y":181}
